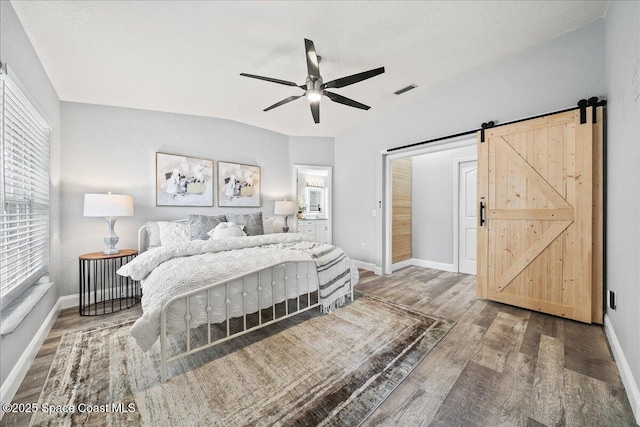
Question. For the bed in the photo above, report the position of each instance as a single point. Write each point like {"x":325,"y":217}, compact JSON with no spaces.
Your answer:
{"x":231,"y":285}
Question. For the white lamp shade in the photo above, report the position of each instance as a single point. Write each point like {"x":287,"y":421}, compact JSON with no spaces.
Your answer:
{"x":107,"y":205}
{"x":285,"y":207}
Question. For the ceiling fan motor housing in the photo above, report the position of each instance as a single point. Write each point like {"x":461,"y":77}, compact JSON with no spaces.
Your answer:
{"x":314,"y":85}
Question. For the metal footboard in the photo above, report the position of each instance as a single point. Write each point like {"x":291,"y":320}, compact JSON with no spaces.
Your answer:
{"x":267,"y":274}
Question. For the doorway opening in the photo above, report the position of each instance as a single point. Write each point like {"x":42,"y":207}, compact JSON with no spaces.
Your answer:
{"x":312,"y":190}
{"x":429,"y":195}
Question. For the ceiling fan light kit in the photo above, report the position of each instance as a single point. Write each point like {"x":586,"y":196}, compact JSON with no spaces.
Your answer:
{"x":314,"y":95}
{"x":314,"y":87}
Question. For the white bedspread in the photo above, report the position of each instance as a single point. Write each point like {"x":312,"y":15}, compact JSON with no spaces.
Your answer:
{"x":165,"y":272}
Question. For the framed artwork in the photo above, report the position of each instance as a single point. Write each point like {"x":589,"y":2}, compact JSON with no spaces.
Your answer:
{"x":238,"y":185}
{"x":183,"y":181}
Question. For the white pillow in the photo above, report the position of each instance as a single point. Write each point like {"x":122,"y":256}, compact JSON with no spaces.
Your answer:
{"x":153,"y":233}
{"x":267,"y":225}
{"x":173,"y":233}
{"x":225,"y":230}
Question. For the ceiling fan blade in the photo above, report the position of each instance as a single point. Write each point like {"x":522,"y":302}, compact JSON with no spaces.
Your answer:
{"x":284,"y":101}
{"x":344,"y":100}
{"x":355,"y":78}
{"x":269,"y":79}
{"x":315,"y":111}
{"x":313,"y":66}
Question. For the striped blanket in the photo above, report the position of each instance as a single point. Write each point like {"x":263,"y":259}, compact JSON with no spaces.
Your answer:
{"x":335,"y":273}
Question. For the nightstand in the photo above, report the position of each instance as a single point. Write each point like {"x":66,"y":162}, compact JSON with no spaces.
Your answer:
{"x":102,"y":290}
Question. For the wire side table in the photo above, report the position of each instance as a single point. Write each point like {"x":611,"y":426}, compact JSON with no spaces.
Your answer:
{"x":102,"y":290}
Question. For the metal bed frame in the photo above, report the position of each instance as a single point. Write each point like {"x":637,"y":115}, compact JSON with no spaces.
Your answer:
{"x":260,"y":274}
{"x":164,"y":356}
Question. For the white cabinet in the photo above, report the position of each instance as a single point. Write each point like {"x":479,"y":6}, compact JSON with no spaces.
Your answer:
{"x":322,"y":231}
{"x":308,"y":228}
{"x":317,"y":229}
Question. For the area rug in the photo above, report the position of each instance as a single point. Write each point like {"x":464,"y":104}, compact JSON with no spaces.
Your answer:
{"x":309,"y":370}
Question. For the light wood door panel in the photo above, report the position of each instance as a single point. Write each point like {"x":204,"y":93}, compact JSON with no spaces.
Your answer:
{"x":401,"y":202}
{"x":597,"y":292}
{"x":535,"y":179}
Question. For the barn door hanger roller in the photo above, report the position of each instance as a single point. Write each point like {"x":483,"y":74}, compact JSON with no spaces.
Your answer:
{"x":487,"y":125}
{"x":591,"y":102}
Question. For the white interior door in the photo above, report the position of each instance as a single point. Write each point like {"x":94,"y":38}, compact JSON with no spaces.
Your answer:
{"x":467,"y":216}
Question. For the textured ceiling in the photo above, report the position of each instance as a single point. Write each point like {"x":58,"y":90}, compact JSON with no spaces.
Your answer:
{"x":186,"y":56}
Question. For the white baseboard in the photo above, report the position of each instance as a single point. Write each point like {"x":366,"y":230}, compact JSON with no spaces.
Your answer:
{"x":630,"y":385}
{"x":369,"y":266}
{"x":69,"y":301}
{"x":401,"y":264}
{"x":433,"y":264}
{"x":14,"y":379}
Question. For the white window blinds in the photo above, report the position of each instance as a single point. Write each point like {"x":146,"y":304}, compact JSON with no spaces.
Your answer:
{"x":24,"y":192}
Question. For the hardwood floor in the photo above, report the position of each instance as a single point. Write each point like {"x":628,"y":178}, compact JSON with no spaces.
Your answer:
{"x":499,"y":365}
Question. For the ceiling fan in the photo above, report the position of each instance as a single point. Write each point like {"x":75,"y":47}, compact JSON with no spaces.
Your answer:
{"x":315,"y":87}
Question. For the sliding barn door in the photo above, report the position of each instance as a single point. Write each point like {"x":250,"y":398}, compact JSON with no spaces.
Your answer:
{"x":535,"y":185}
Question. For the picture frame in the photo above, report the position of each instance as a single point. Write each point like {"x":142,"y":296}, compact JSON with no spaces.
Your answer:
{"x":239,"y":185}
{"x":183,"y":180}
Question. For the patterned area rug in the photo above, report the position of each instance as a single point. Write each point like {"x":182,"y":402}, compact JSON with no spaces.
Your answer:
{"x":312,"y":369}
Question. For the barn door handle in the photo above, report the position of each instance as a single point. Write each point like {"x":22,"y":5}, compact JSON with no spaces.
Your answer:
{"x":482,"y":220}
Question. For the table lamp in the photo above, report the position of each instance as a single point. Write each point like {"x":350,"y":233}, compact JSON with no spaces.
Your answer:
{"x":110,"y":206}
{"x":285,"y":208}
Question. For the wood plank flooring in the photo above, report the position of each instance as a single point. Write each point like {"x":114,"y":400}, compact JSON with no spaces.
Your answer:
{"x":498,"y":366}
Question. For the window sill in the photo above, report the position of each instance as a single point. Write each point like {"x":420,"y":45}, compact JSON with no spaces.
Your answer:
{"x":19,"y":308}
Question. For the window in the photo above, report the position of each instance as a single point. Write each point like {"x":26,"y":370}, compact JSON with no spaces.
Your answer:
{"x":24,"y":192}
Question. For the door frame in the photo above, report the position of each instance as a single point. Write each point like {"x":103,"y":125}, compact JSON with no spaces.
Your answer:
{"x":456,"y":207}
{"x":387,"y":158}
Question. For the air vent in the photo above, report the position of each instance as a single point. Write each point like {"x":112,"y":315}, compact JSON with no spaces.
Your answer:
{"x":405,"y":89}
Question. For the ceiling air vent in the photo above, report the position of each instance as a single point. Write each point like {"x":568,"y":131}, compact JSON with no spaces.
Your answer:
{"x":405,"y":89}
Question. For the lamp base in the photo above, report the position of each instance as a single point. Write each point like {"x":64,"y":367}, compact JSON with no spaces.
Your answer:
{"x":111,"y":239}
{"x":285,"y":227}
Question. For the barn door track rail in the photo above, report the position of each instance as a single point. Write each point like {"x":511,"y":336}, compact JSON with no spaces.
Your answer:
{"x":582,"y":105}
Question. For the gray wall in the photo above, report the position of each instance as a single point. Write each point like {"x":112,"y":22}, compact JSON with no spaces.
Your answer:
{"x":114,"y":149}
{"x":542,"y":79}
{"x":16,"y":51}
{"x":623,"y":176}
{"x":432,"y":204}
{"x":311,"y":150}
